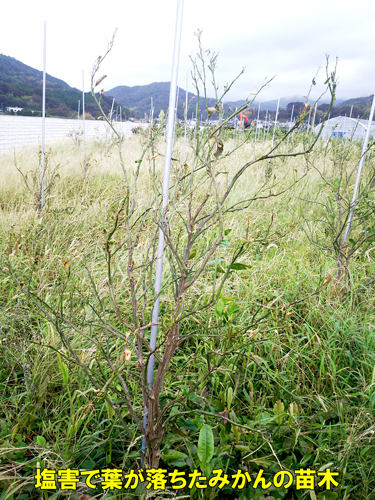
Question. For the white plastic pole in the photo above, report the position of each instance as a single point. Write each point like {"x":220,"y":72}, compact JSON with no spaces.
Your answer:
{"x":151,"y":125}
{"x":178,"y":92}
{"x":291,"y":121}
{"x":265,"y":125}
{"x":185,"y":115}
{"x":43,"y":111}
{"x":176,"y":114}
{"x":273,"y":134}
{"x":83,"y":124}
{"x":359,"y":172}
{"x":256,"y":129}
{"x":346,"y":136}
{"x":151,"y":117}
{"x":235,"y":128}
{"x":313,"y":122}
{"x":167,"y":170}
{"x":308,"y":123}
{"x":274,"y":127}
{"x":113,"y":102}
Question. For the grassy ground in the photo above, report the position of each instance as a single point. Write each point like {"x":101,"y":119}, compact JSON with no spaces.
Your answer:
{"x":299,"y":375}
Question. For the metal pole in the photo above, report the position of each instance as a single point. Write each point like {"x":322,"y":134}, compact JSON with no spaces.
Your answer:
{"x":308,"y":128}
{"x":151,"y":118}
{"x":185,"y":116}
{"x":274,"y":127}
{"x":167,"y":169}
{"x":83,"y":124}
{"x":235,"y":128}
{"x":273,"y":135}
{"x":113,"y":102}
{"x":346,"y":136}
{"x":256,"y":129}
{"x":176,"y":113}
{"x":265,"y":125}
{"x":291,"y":121}
{"x":43,"y":111}
{"x":313,"y":122}
{"x":358,"y":179}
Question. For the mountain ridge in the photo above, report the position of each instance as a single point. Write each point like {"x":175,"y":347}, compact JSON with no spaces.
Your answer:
{"x":21,"y":86}
{"x":138,"y":99}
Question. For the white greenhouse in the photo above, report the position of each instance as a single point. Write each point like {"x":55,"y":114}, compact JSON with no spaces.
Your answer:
{"x":343,"y":126}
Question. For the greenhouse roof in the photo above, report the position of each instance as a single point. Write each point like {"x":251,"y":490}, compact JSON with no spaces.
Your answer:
{"x":344,"y":126}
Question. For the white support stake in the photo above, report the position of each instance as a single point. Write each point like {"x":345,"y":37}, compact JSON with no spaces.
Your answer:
{"x":313,"y":122}
{"x":43,"y":112}
{"x":176,"y":111}
{"x":83,"y":124}
{"x":113,"y":102}
{"x":358,"y":179}
{"x":151,"y":118}
{"x":291,"y":122}
{"x":265,"y":124}
{"x":185,"y":116}
{"x":256,"y":129}
{"x":167,"y":170}
{"x":273,"y":134}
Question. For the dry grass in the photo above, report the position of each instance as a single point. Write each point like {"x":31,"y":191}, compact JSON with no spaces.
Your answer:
{"x":304,"y":347}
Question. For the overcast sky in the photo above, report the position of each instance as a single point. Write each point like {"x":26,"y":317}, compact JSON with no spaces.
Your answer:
{"x":287,"y":38}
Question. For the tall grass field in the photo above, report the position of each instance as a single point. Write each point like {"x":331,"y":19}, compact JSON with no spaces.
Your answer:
{"x":277,"y":373}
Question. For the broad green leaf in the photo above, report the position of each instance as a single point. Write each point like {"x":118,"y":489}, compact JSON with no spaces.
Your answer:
{"x":224,"y":243}
{"x":110,"y":410}
{"x":238,"y":266}
{"x":205,"y":444}
{"x":233,"y":308}
{"x":219,"y":308}
{"x":229,"y":397}
{"x":63,"y":369}
{"x":40,"y":440}
{"x":278,"y":408}
{"x":293,"y":409}
{"x":175,"y":458}
{"x":173,"y":455}
{"x":244,"y":448}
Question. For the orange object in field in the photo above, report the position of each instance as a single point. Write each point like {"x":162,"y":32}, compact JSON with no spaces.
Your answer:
{"x":243,"y":120}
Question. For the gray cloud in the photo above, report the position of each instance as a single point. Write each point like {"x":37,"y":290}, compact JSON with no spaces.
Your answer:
{"x":288,"y":39}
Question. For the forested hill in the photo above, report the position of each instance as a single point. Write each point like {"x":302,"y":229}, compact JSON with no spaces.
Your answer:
{"x":15,"y":72}
{"x":138,"y":99}
{"x":22,"y":86}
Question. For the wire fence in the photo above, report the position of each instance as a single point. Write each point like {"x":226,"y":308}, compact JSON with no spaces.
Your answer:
{"x":19,"y":131}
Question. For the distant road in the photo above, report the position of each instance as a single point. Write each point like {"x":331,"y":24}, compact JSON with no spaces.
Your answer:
{"x":18,"y":131}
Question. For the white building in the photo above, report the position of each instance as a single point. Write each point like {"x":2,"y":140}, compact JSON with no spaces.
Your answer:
{"x":15,"y":109}
{"x":343,"y":126}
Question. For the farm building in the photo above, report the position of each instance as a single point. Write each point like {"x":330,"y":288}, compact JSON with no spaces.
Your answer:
{"x":15,"y":109}
{"x":343,"y":126}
